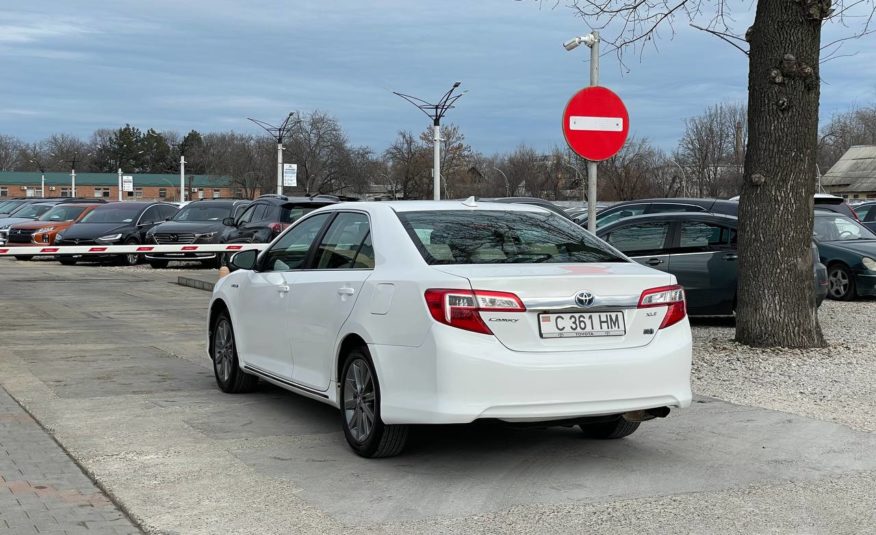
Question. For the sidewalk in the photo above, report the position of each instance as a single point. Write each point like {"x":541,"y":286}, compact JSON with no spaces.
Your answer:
{"x":41,"y":489}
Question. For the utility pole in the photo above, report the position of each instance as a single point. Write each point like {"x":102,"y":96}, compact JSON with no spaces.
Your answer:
{"x":436,"y":113}
{"x":279,"y":133}
{"x":182,"y":178}
{"x":120,"y":183}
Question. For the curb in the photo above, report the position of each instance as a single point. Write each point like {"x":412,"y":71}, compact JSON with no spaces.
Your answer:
{"x":195,"y":283}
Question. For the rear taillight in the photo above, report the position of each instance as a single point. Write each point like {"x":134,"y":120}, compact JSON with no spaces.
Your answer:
{"x":276,"y":228}
{"x":671,"y":297}
{"x":461,"y":308}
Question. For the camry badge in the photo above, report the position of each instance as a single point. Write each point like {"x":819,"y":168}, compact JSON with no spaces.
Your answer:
{"x":584,"y":298}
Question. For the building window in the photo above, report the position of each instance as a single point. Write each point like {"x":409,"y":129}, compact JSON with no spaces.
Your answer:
{"x":162,"y":193}
{"x":4,"y":191}
{"x":855,"y":196}
{"x":102,"y":192}
{"x":200,"y":193}
{"x":66,"y":192}
{"x":138,"y":193}
{"x":217,"y":193}
{"x":30,"y":192}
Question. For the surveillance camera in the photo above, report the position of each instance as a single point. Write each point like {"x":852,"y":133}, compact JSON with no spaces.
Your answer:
{"x":572,"y":44}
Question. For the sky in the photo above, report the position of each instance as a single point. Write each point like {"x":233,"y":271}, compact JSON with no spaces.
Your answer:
{"x":75,"y":66}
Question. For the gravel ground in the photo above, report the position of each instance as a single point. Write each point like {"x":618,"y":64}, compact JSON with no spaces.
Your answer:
{"x":835,"y":383}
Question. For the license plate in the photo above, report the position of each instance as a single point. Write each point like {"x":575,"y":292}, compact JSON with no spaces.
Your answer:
{"x":582,"y":325}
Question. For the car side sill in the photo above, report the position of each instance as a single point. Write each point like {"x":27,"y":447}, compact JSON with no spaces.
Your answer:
{"x":279,"y":381}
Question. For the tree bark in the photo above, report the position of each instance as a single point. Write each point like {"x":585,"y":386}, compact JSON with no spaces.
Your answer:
{"x":776,"y":302}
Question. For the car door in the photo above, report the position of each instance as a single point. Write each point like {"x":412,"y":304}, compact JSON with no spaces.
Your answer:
{"x":265,"y":327}
{"x":704,"y":261}
{"x":247,"y":229}
{"x":644,"y":242}
{"x":324,"y":295}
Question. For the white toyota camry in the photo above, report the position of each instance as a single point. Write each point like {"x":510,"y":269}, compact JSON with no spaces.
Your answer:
{"x":416,"y":312}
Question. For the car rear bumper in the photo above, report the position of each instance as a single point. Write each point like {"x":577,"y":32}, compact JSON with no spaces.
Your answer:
{"x":459,"y":377}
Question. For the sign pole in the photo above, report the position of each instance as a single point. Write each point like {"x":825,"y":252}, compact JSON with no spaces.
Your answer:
{"x":120,"y":184}
{"x":182,"y":178}
{"x":436,"y":161}
{"x":279,"y":168}
{"x":591,"y":165}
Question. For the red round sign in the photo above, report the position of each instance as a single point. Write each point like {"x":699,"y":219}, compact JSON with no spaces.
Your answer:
{"x":596,"y":123}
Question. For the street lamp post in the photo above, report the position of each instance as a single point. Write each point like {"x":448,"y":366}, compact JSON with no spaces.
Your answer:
{"x":683,"y":178}
{"x":279,"y":133}
{"x":72,"y":162}
{"x":436,"y":113}
{"x":592,"y":41}
{"x":42,"y":169}
{"x":507,"y":182}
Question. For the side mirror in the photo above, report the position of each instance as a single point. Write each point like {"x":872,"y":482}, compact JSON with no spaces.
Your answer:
{"x":228,"y":222}
{"x":243,"y":260}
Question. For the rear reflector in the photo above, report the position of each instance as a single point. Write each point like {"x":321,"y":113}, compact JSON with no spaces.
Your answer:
{"x":461,"y":308}
{"x":671,"y":297}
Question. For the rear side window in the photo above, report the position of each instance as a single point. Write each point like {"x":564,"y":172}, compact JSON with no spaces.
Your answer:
{"x":697,"y":236}
{"x":640,"y":239}
{"x":291,"y":214}
{"x":341,"y":247}
{"x":259,"y":212}
{"x":497,"y":237}
{"x":619,"y":213}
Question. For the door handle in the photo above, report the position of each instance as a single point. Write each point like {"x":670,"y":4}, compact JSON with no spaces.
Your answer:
{"x":283,"y":288}
{"x":731,"y":256}
{"x":654,"y":262}
{"x":346,"y":291}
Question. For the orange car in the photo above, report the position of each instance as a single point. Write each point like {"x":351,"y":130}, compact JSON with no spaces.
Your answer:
{"x":43,"y":230}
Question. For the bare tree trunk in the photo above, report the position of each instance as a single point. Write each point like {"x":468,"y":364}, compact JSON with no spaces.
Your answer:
{"x":776,"y":303}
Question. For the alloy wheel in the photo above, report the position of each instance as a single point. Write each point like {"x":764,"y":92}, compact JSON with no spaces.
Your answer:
{"x":839,"y":283}
{"x":223,"y":350}
{"x":359,"y":400}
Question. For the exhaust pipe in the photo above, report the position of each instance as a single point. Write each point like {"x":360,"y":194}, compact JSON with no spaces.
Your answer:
{"x":645,"y":415}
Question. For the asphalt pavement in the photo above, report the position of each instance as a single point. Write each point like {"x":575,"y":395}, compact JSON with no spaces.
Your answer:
{"x":112,"y":363}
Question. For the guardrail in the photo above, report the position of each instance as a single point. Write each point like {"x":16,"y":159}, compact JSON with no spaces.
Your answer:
{"x":127,"y":249}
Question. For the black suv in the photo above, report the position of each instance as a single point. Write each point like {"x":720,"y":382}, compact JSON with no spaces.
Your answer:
{"x":118,"y":223}
{"x":268,"y":215}
{"x":197,"y":222}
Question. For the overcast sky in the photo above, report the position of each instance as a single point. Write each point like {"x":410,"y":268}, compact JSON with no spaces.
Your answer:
{"x":208,"y":64}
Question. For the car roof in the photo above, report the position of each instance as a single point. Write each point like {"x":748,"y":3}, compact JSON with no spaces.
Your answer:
{"x":435,"y":206}
{"x":674,"y":216}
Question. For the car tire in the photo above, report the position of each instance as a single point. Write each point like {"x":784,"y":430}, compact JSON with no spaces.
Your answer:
{"x":67,"y":261}
{"x":158,"y":264}
{"x":24,"y":258}
{"x":129,"y":259}
{"x":840,"y":283}
{"x":359,"y":403}
{"x":226,"y":367}
{"x":213,"y":263}
{"x":611,"y":430}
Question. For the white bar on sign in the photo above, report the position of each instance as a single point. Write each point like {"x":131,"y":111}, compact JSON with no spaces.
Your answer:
{"x":602,"y":124}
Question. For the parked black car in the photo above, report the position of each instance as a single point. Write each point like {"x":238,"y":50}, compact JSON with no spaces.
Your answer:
{"x":267,"y":216}
{"x":699,"y":249}
{"x":9,"y":206}
{"x":848,"y":249}
{"x":197,"y":222}
{"x":120,"y":223}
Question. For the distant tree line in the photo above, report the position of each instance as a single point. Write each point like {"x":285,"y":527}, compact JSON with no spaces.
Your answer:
{"x":707,"y":160}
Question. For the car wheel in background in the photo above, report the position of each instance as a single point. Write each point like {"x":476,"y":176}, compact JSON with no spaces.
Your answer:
{"x":841,"y":283}
{"x":360,"y":410}
{"x":129,"y":259}
{"x":614,"y":429}
{"x":24,"y":258}
{"x":158,"y":264}
{"x":67,"y":260}
{"x":229,"y":377}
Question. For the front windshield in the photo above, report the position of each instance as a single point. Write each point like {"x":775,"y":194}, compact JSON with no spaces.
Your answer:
{"x":32,"y":211}
{"x":837,"y":227}
{"x":203,"y":212}
{"x":112,"y":214}
{"x":500,"y":237}
{"x":65,"y":212}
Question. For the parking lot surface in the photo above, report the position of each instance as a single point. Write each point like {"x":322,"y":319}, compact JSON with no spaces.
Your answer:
{"x":112,"y":363}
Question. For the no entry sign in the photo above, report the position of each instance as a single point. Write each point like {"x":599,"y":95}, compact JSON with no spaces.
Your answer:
{"x":596,"y":123}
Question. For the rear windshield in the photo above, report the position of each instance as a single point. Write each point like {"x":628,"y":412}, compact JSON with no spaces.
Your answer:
{"x":112,"y":214}
{"x":203,"y":212}
{"x":65,"y":212}
{"x":291,"y":214}
{"x":497,"y":237}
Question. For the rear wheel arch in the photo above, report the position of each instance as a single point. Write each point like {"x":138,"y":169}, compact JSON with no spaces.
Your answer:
{"x":350,"y":342}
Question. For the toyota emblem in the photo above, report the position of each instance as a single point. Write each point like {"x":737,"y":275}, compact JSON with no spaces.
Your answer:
{"x":584,"y":298}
